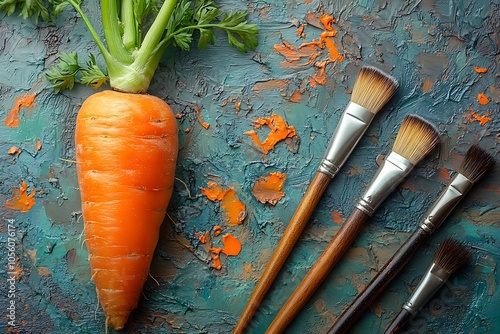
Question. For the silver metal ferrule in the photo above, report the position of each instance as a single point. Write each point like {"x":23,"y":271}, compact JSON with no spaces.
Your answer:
{"x":445,"y":203}
{"x":430,"y":284}
{"x":392,"y":171}
{"x":352,"y":125}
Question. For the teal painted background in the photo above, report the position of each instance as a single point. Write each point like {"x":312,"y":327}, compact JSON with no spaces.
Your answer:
{"x":431,"y":47}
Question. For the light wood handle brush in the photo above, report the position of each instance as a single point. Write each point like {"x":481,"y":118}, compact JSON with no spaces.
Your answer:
{"x":450,"y":256}
{"x":371,"y":91}
{"x":415,"y":139}
{"x":477,"y":162}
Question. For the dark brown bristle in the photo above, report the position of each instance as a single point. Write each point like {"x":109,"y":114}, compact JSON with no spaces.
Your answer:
{"x":477,"y":162}
{"x":373,"y":88}
{"x":451,"y":255}
{"x":415,"y":139}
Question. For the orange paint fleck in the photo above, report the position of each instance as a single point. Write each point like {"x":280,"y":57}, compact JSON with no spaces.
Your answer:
{"x":216,"y":251}
{"x":296,"y":96}
{"x":444,"y":174}
{"x":287,"y":50}
{"x":271,"y":84}
{"x":14,"y":150}
{"x":408,"y":186}
{"x":232,"y":246}
{"x":300,"y":31}
{"x":234,"y":209}
{"x":217,"y":230}
{"x":18,"y":271}
{"x":296,"y":58}
{"x":26,"y":101}
{"x":203,"y":237}
{"x":337,"y":217}
{"x":327,"y":21}
{"x":332,"y":50}
{"x":279,"y":131}
{"x":43,"y":271}
{"x":216,"y":263}
{"x":319,"y":77}
{"x":473,"y":116}
{"x":309,"y":53}
{"x":237,"y":105}
{"x":377,"y":309}
{"x":38,"y":144}
{"x":427,"y":85}
{"x":21,"y":200}
{"x":480,"y":69}
{"x":269,"y":189}
{"x":325,"y":39}
{"x":482,"y":99}
{"x":200,"y":119}
{"x":355,"y":170}
{"x":214,"y":192}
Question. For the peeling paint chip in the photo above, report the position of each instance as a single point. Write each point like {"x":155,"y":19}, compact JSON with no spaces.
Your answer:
{"x":232,"y":246}
{"x":26,"y":101}
{"x":474,"y":116}
{"x":482,"y":99}
{"x":269,"y":189}
{"x":234,"y":210}
{"x":480,"y":69}
{"x":21,"y":200}
{"x":279,"y":131}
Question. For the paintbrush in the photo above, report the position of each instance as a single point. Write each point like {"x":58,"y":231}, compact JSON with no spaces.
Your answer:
{"x":415,"y":139}
{"x":450,"y":256}
{"x":477,"y":162}
{"x":372,"y":90}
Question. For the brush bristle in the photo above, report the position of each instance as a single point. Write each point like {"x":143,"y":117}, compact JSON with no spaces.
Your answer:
{"x":373,"y":88}
{"x":415,"y":139}
{"x":451,"y":255}
{"x":477,"y":162}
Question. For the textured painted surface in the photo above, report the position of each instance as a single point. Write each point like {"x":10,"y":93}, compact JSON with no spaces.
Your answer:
{"x":445,"y":55}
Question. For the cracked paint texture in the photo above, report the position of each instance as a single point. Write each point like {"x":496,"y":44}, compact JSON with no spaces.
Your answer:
{"x":444,"y":54}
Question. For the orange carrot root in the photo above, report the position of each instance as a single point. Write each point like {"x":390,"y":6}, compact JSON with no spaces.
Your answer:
{"x":126,"y":155}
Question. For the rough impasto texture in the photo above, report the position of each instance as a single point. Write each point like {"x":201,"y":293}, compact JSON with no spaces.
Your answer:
{"x":445,"y":56}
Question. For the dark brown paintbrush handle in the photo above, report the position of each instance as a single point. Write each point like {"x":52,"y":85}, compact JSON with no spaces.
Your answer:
{"x":378,"y":283}
{"x":285,"y":246}
{"x":399,"y":322}
{"x":319,"y":271}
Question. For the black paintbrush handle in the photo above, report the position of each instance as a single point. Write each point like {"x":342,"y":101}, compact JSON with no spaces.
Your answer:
{"x":399,"y":322}
{"x":378,"y":283}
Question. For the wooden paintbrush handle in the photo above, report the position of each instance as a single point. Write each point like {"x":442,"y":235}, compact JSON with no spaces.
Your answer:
{"x":285,"y":246}
{"x":403,"y":255}
{"x":319,"y":271}
{"x":399,"y":322}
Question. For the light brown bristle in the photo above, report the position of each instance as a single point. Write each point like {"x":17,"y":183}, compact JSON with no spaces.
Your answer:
{"x":415,"y":139}
{"x":373,"y":88}
{"x":451,"y":255}
{"x":477,"y":162}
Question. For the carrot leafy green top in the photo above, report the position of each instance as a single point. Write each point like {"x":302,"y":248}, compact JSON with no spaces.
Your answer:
{"x":137,"y":32}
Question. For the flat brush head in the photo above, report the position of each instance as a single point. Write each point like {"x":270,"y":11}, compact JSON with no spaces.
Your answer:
{"x":451,"y":255}
{"x":415,"y":139}
{"x":373,"y":88}
{"x":477,"y":162}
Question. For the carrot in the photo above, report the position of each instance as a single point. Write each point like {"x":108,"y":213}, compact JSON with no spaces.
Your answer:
{"x":126,"y":140}
{"x":126,"y":153}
